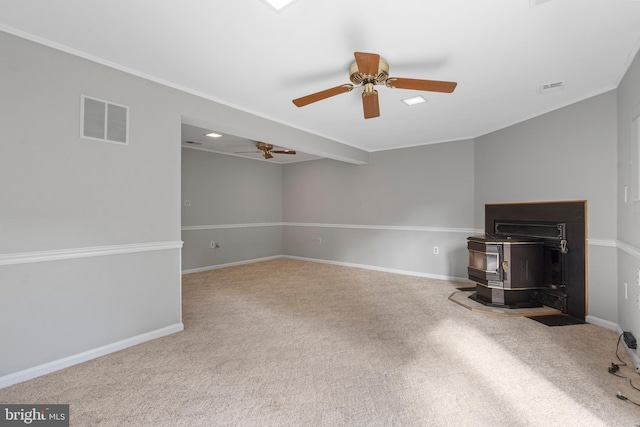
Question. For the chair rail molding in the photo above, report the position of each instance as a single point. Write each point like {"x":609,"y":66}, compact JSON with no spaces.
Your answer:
{"x":387,"y":227}
{"x":324,"y":225}
{"x":632,"y":250}
{"x":228,"y":226}
{"x":74,"y":253}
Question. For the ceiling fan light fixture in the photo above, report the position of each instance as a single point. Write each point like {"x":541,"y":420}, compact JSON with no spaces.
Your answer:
{"x":414,"y":100}
{"x":213,"y":135}
{"x":369,"y":88}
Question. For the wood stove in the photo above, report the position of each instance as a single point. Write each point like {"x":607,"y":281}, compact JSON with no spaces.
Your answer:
{"x":506,"y":270}
{"x":520,"y":265}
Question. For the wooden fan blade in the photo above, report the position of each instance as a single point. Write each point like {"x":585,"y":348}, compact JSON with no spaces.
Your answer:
{"x":319,"y":96}
{"x":417,"y":84}
{"x":368,"y":63}
{"x":283,"y":151}
{"x":370,"y":104}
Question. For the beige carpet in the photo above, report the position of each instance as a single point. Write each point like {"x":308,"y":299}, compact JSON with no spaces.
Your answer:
{"x":292,"y":343}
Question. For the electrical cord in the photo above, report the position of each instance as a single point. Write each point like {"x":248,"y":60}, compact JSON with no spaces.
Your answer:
{"x":615,"y":368}
{"x":617,"y":348}
{"x":625,"y":398}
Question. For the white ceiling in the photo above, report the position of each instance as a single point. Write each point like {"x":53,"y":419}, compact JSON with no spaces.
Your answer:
{"x":245,"y":54}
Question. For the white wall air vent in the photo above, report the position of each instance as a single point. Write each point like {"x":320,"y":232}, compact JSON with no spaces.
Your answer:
{"x":551,"y":87}
{"x":103,"y":120}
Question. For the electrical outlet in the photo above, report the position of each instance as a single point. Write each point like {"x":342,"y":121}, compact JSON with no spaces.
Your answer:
{"x":626,"y":194}
{"x":319,"y":240}
{"x":436,"y":250}
{"x":626,"y":293}
{"x":630,"y":340}
{"x":214,"y":244}
{"x":187,"y":203}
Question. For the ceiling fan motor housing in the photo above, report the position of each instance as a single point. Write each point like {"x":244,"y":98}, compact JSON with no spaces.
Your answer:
{"x":263,"y":146}
{"x":359,"y":78}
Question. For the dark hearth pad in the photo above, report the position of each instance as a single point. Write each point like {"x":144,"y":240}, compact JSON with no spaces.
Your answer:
{"x":557,"y":320}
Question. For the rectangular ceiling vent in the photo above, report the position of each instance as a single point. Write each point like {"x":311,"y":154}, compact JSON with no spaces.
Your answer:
{"x":551,"y":87}
{"x":104,"y":121}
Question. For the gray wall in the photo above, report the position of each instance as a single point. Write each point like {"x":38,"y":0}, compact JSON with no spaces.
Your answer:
{"x":58,"y":309}
{"x":83,"y":224}
{"x":234,"y":201}
{"x":629,"y":211}
{"x":60,"y":191}
{"x":567,"y":154}
{"x":388,"y":214}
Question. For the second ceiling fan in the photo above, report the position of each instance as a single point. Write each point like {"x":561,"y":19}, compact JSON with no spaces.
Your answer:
{"x":370,"y":70}
{"x":267,"y":150}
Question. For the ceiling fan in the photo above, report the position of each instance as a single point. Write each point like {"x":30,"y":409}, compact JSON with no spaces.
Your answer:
{"x":267,"y":150}
{"x":370,"y":70}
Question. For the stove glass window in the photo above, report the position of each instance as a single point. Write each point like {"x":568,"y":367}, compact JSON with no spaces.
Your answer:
{"x":483,"y":261}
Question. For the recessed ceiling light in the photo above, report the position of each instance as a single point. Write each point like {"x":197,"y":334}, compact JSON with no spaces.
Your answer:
{"x":415,"y":100}
{"x":213,"y":135}
{"x":279,"y":4}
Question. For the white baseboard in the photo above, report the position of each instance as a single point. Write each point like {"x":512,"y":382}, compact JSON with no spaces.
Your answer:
{"x":634,"y":356}
{"x":601,"y":322}
{"x":229,"y":264}
{"x":617,"y":329}
{"x":324,"y":261}
{"x":383,"y":269}
{"x":56,"y":365}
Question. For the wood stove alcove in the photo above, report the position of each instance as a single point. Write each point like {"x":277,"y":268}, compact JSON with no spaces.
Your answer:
{"x":531,"y":255}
